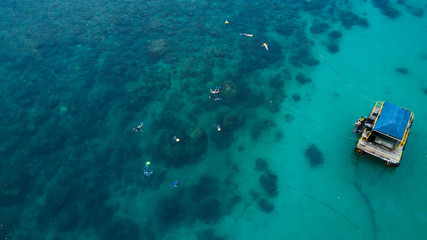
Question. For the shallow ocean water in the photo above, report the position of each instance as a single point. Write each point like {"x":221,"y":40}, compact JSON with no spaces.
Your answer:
{"x":76,"y":77}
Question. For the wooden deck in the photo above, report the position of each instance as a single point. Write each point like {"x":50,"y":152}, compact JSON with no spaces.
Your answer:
{"x":380,"y":151}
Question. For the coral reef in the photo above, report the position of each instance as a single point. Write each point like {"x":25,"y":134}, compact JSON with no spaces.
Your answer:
{"x":261,"y":126}
{"x":333,"y":47}
{"x":296,"y":97}
{"x":208,"y":235}
{"x":403,"y":71}
{"x":261,"y":164}
{"x":349,"y":19}
{"x":268,"y":182}
{"x":386,"y":8}
{"x":289,"y":117}
{"x":265,"y":206}
{"x":157,"y":47}
{"x":192,"y":146}
{"x":314,"y":156}
{"x":334,"y":35}
{"x":301,"y":78}
{"x":278,"y":136}
{"x":319,"y":27}
{"x":206,"y":187}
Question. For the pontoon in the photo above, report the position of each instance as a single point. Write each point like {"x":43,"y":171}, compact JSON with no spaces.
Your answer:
{"x":385,"y":132}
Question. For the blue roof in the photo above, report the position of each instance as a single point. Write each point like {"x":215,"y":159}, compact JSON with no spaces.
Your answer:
{"x":392,"y":120}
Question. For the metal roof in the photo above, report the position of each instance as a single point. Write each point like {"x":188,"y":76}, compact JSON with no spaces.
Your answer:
{"x":392,"y":120}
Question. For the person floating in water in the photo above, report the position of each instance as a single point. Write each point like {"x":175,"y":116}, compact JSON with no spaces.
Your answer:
{"x":265,"y":45}
{"x":247,"y":34}
{"x":215,"y":98}
{"x":175,"y":139}
{"x":138,"y":129}
{"x":175,"y":184}
{"x":226,"y":21}
{"x":147,"y":170}
{"x":359,"y":121}
{"x":216,"y":90}
{"x":218,"y":127}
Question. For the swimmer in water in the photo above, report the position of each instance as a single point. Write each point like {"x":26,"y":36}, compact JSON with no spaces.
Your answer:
{"x":265,"y":45}
{"x":215,"y":91}
{"x":247,"y":34}
{"x":147,"y":170}
{"x":138,"y":129}
{"x":218,"y":127}
{"x":175,"y":139}
{"x":175,"y":184}
{"x":215,"y":98}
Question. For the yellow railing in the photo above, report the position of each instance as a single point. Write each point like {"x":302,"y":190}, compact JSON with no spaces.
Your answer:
{"x":405,"y":135}
{"x":379,"y":105}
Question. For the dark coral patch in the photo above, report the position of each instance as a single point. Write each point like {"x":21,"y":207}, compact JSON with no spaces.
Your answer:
{"x":189,"y":150}
{"x":402,"y":70}
{"x":333,"y":47}
{"x":289,"y":117}
{"x":277,"y":82}
{"x":301,"y":56}
{"x":314,"y":156}
{"x":318,"y":28}
{"x":296,"y":97}
{"x":170,"y":211}
{"x":261,"y":164}
{"x":349,"y":19}
{"x":209,"y":210}
{"x":269,"y":183}
{"x":286,"y":29}
{"x":120,"y":229}
{"x":386,"y":9}
{"x":301,"y":78}
{"x":334,"y":35}
{"x":208,"y":235}
{"x":278,"y":136}
{"x":265,"y":206}
{"x":204,"y":188}
{"x":261,"y":126}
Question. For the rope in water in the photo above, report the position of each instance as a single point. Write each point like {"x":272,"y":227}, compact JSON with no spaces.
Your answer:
{"x":247,"y":206}
{"x":312,"y":48}
{"x":319,"y":124}
{"x":333,"y":209}
{"x":340,"y":76}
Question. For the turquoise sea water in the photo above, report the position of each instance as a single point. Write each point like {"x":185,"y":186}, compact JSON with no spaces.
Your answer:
{"x":77,"y":76}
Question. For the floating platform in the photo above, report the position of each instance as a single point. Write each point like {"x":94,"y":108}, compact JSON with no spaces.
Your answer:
{"x":385,"y":132}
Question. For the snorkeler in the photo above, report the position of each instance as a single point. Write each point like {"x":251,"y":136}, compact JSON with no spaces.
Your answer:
{"x":359,"y":121}
{"x":218,"y":127}
{"x":138,"y":129}
{"x":216,"y":90}
{"x":147,"y":170}
{"x":175,"y":139}
{"x":215,"y":98}
{"x":265,"y":45}
{"x":247,"y":34}
{"x":175,"y":184}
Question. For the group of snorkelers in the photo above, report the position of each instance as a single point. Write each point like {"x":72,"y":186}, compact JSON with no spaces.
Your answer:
{"x":247,"y":35}
{"x":148,"y":171}
{"x":213,"y":94}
